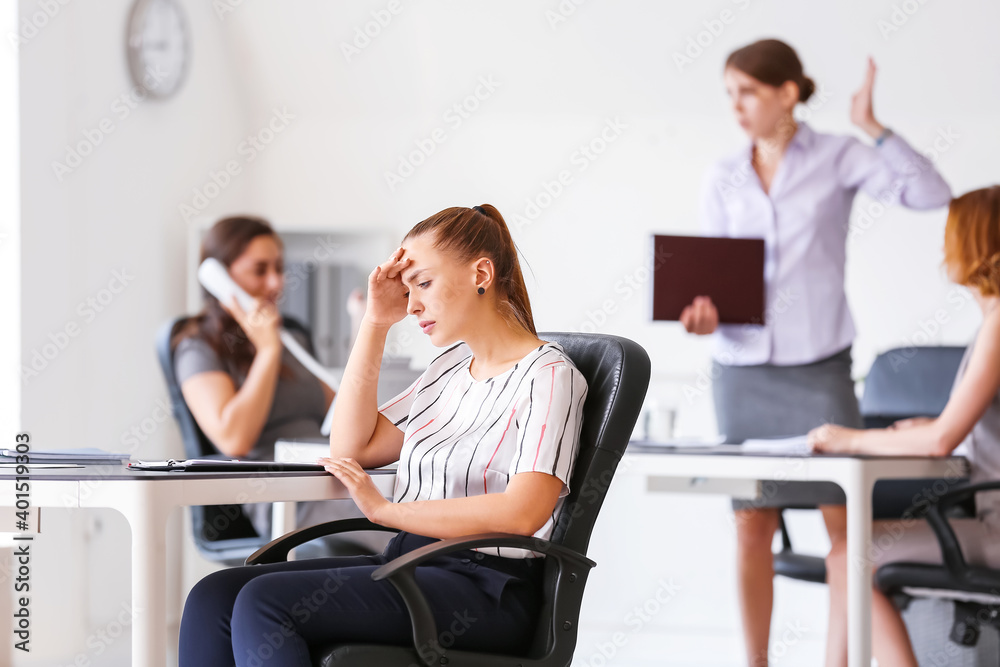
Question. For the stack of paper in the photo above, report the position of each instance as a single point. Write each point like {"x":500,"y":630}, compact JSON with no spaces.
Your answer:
{"x":85,"y":455}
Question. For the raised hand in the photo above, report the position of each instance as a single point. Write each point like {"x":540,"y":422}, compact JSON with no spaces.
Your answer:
{"x":862,"y":113}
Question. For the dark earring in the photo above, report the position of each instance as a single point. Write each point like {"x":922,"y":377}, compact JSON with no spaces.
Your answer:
{"x":482,"y":291}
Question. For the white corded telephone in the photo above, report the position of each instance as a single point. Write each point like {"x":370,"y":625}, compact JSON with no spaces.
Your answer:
{"x":214,"y":277}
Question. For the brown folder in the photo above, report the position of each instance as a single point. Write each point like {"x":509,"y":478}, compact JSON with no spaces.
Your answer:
{"x":730,"y":271}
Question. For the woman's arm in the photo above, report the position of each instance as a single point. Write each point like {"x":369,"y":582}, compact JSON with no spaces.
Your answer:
{"x":892,"y":171}
{"x":522,"y":509}
{"x":357,"y":430}
{"x":233,"y":420}
{"x":938,"y":437}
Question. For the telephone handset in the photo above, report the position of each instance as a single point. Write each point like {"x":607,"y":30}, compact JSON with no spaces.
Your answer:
{"x":214,"y":277}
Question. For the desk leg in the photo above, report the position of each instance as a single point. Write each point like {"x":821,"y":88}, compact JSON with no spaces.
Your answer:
{"x":147,"y":519}
{"x":858,"y":488}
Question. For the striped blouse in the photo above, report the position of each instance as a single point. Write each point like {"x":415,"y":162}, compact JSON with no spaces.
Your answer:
{"x":466,"y":437}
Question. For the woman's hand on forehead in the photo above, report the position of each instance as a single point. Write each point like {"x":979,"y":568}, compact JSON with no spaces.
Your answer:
{"x":395,"y":264}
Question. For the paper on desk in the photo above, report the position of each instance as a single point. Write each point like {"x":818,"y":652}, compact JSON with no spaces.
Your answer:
{"x":795,"y":446}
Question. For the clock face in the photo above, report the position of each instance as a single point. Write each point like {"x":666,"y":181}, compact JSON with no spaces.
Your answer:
{"x":158,"y":46}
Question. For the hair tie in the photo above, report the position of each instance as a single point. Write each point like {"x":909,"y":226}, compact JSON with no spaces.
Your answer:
{"x":480,"y":209}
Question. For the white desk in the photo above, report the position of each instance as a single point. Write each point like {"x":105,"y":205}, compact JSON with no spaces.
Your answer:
{"x":146,"y":499}
{"x":691,"y":469}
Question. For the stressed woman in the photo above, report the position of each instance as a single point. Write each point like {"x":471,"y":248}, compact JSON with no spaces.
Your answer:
{"x":486,"y":441}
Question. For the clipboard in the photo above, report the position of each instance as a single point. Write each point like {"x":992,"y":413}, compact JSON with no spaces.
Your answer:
{"x":729,"y":271}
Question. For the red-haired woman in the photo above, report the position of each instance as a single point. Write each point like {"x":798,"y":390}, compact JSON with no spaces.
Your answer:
{"x":793,"y":187}
{"x":972,"y":416}
{"x":486,"y":440}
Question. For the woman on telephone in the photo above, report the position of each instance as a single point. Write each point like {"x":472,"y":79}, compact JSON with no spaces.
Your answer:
{"x":243,"y":388}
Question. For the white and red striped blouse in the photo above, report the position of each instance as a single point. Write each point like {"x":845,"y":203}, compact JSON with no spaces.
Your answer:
{"x":466,"y":437}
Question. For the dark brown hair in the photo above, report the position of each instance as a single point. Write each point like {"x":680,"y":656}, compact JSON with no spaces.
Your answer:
{"x":225,"y":241}
{"x":773,"y":62}
{"x":972,"y":240}
{"x":468,"y":233}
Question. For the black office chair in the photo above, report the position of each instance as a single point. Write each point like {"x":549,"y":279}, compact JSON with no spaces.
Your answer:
{"x":222,"y":533}
{"x":975,"y":591}
{"x":617,"y":373}
{"x":902,"y":383}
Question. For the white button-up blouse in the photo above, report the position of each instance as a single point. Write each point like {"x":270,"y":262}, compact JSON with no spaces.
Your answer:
{"x":804,"y":222}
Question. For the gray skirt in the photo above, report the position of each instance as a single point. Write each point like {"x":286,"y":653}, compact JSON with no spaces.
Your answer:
{"x":768,"y":401}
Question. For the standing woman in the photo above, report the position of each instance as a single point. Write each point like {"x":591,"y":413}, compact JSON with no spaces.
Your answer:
{"x":793,"y":187}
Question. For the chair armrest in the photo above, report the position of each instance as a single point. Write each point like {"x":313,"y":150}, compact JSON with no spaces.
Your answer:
{"x":410,"y":560}
{"x":276,"y":551}
{"x":951,"y":550}
{"x":951,"y":498}
{"x":400,"y":573}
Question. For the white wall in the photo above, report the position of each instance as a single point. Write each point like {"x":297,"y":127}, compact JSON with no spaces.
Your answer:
{"x":115,"y":212}
{"x":556,"y":88}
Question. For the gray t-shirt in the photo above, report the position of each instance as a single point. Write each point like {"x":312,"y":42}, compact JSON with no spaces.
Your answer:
{"x":297,"y":410}
{"x":982,"y":447}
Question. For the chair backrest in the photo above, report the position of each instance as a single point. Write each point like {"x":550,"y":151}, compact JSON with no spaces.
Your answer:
{"x":617,"y":373}
{"x":196,"y":443}
{"x":909,"y":382}
{"x":221,"y":532}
